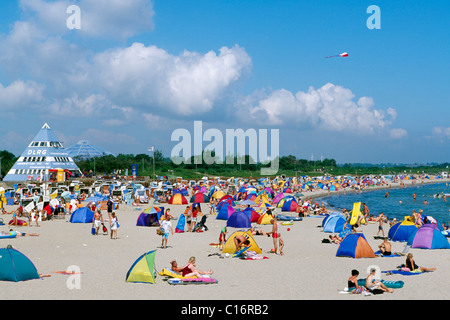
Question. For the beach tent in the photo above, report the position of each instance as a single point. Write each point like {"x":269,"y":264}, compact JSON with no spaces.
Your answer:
{"x":15,"y":266}
{"x":252,"y":214}
{"x":265,"y":218}
{"x":143,"y":269}
{"x":263,"y":198}
{"x":402,"y":230}
{"x":239,"y":219}
{"x":218,"y":194}
{"x":82,"y":215}
{"x":225,"y":212}
{"x":428,"y":236}
{"x":224,"y":202}
{"x":356,"y":246}
{"x":180,"y":225}
{"x":329,"y":216}
{"x":335,"y":224}
{"x":148,"y":220}
{"x":178,"y":198}
{"x":199,"y":198}
{"x":277,"y":198}
{"x":290,"y":205}
{"x":230,"y":247}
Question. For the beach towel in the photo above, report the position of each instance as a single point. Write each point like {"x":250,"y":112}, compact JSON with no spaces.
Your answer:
{"x":403,"y":272}
{"x":393,"y":254}
{"x":185,"y":281}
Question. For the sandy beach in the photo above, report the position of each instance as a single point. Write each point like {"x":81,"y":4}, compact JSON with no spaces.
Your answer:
{"x":309,"y":270}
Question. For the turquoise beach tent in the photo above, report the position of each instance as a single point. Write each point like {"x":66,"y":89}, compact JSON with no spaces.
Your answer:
{"x":15,"y":266}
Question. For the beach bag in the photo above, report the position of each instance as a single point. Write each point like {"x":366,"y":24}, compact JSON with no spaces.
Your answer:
{"x":104,"y":228}
{"x":93,"y":231}
{"x":160,"y":231}
{"x":117,"y":224}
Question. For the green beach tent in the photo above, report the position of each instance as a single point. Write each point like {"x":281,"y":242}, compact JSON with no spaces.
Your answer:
{"x":143,"y":269}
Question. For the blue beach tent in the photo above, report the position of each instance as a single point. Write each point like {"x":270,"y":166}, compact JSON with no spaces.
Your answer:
{"x":82,"y":215}
{"x":356,"y":246}
{"x":334,"y":224}
{"x":239,"y":219}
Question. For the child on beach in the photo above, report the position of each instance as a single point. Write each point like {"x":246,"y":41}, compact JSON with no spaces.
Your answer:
{"x":166,"y":225}
{"x":222,"y":237}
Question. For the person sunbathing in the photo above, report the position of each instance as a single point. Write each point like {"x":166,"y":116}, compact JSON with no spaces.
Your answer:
{"x":190,"y":271}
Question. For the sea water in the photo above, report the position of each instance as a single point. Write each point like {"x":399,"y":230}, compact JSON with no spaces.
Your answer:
{"x":400,"y":202}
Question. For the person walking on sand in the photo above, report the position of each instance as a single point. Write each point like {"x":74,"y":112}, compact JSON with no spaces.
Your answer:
{"x":114,"y":225}
{"x":166,"y":225}
{"x":97,"y":221}
{"x":32,"y":216}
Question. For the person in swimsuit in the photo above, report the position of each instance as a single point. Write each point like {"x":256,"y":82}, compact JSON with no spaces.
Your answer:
{"x":385,"y":247}
{"x":413,"y":266}
{"x":352,"y":282}
{"x":241,"y":242}
{"x":222,"y":237}
{"x":190,"y":271}
{"x":381,"y":220}
{"x":372,"y":284}
{"x":274,"y":234}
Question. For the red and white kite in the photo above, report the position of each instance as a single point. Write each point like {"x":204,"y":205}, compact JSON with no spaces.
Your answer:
{"x":343,"y":55}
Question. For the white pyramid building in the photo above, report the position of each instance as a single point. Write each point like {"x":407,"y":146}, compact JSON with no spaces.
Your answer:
{"x":44,"y":157}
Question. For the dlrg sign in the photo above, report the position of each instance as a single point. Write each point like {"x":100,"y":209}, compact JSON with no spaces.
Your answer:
{"x":257,"y":146}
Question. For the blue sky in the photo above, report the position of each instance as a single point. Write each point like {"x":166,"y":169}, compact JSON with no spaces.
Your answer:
{"x":137,"y":70}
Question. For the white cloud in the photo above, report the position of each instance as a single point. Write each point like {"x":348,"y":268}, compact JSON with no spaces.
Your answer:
{"x":19,"y":94}
{"x":331,"y":107}
{"x":398,"y":133}
{"x":441,"y":132}
{"x":150,"y":77}
{"x":117,"y":19}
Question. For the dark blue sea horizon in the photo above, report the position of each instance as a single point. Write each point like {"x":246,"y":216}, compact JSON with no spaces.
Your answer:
{"x":400,"y":202}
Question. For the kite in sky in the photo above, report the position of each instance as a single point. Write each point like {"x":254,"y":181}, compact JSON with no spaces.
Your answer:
{"x":343,"y":55}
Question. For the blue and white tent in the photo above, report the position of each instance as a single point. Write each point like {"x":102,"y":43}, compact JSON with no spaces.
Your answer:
{"x":42,"y":159}
{"x":84,"y":150}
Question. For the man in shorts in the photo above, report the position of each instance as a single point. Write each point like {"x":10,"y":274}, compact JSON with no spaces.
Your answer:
{"x":372,"y":284}
{"x":98,"y":220}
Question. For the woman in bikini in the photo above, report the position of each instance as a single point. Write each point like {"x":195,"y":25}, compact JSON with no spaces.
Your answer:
{"x":190,"y":271}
